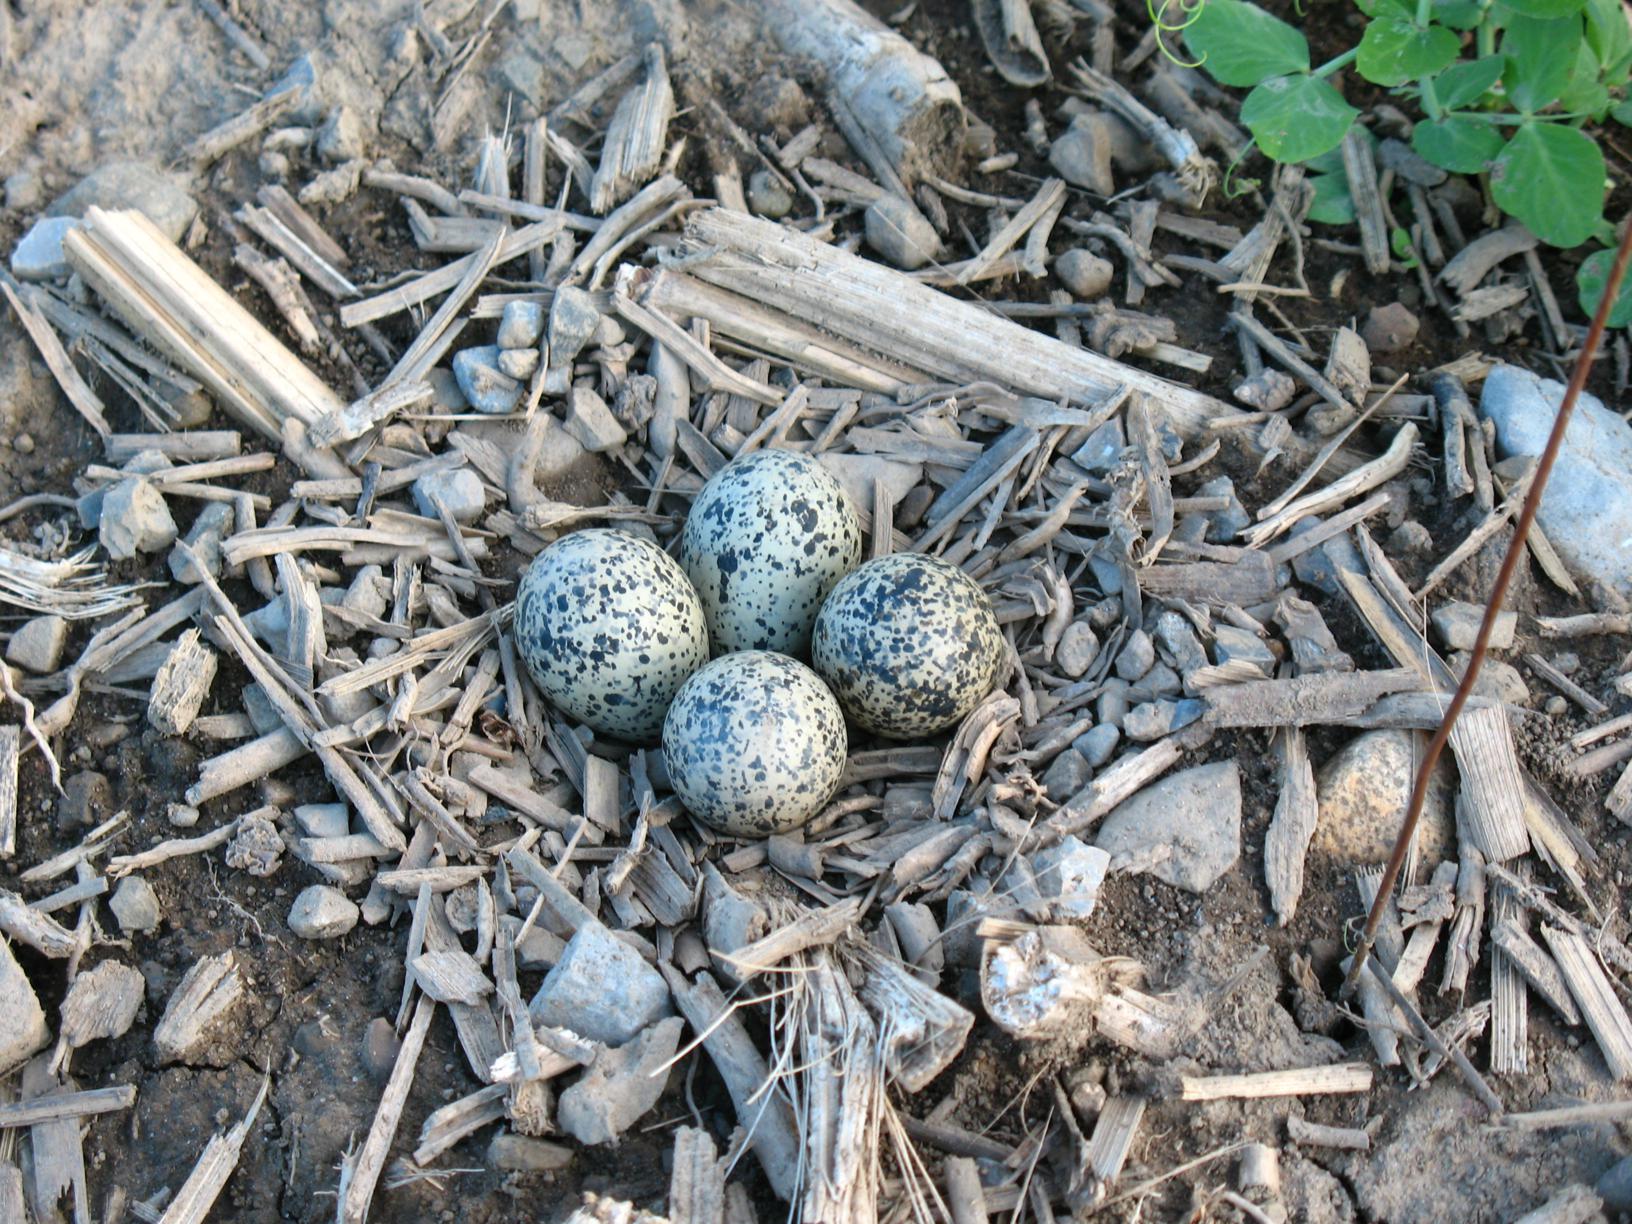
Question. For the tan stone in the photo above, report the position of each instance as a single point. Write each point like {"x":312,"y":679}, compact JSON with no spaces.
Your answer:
{"x":1363,"y":791}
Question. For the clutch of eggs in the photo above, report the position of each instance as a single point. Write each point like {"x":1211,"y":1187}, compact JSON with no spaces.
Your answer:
{"x":609,"y":629}
{"x":766,"y":539}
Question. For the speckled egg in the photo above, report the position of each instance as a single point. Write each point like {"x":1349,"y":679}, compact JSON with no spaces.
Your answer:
{"x":754,"y":744}
{"x":767,"y":538}
{"x":610,"y":629}
{"x":909,"y":643}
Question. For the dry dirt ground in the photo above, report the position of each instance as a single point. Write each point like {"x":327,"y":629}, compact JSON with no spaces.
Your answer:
{"x":80,"y":84}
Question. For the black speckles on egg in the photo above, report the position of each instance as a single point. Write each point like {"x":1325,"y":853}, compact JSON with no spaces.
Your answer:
{"x":909,"y":643}
{"x":609,"y":628}
{"x":767,"y":538}
{"x":754,"y":744}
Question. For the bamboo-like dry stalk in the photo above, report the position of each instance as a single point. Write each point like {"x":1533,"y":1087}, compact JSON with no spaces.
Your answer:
{"x":1594,"y":994}
{"x":168,"y":299}
{"x":1298,"y":1081}
{"x":635,"y":140}
{"x":876,"y":307}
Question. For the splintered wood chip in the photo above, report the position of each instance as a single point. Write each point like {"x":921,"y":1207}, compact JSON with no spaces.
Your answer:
{"x":451,"y":976}
{"x":101,"y":1003}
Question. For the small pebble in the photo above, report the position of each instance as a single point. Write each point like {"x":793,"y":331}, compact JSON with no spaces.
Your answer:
{"x":485,"y":386}
{"x":1137,"y":656}
{"x":1154,"y":719}
{"x":1105,"y":613}
{"x":37,"y":644}
{"x":38,"y":256}
{"x":1615,"y":1185}
{"x":135,"y":519}
{"x":1086,"y":275}
{"x":322,"y":912}
{"x":323,"y":819}
{"x":1410,"y":539}
{"x":135,"y":906}
{"x":106,"y":734}
{"x":1457,"y":624}
{"x":1557,"y":706}
{"x":1067,"y":775}
{"x":380,"y":1048}
{"x":591,"y":422}
{"x":1077,"y":650}
{"x":1389,"y":328}
{"x":181,"y":816}
{"x":1179,"y":644}
{"x":1101,"y":452}
{"x":1069,"y":875}
{"x":573,"y":320}
{"x":86,"y":799}
{"x":1111,"y":707}
{"x":1097,"y":745}
{"x":521,"y":325}
{"x":767,"y":196}
{"x":521,"y":1154}
{"x":23,"y":444}
{"x":1268,"y":390}
{"x":1082,"y":154}
{"x":460,"y":490}
{"x":1233,"y":645}
{"x":1567,"y":661}
{"x":518,"y":364}
{"x":1160,"y":681}
{"x":900,"y":233}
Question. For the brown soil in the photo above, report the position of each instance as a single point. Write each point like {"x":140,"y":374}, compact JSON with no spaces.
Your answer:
{"x":87,"y":87}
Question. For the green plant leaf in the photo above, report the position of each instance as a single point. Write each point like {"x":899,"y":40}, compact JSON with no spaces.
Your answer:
{"x":1462,"y":84}
{"x":1333,"y":204}
{"x":1386,"y":8}
{"x":1462,"y":146}
{"x":1331,"y":161}
{"x":1545,"y":10}
{"x":1551,"y":177}
{"x":1394,"y":51}
{"x":1399,"y":241}
{"x":1622,"y":113}
{"x":1607,"y":31}
{"x":1540,"y":55}
{"x":1458,"y":14}
{"x":1294,"y":118}
{"x":1584,"y":94}
{"x":1590,"y":281}
{"x":1240,"y":44}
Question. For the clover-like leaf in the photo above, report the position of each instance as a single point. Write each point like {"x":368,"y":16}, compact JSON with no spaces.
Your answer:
{"x":1551,"y":177}
{"x":1545,"y":10}
{"x":1590,"y":281}
{"x":1462,"y":146}
{"x":1394,"y":51}
{"x":1607,"y":32}
{"x":1333,"y":205}
{"x":1584,"y":93}
{"x":1240,"y":44}
{"x":1462,"y":84}
{"x":1458,"y":14}
{"x":1540,"y":57}
{"x":1294,"y":118}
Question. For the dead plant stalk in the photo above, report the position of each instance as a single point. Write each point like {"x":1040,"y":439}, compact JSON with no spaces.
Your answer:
{"x":1481,"y":645}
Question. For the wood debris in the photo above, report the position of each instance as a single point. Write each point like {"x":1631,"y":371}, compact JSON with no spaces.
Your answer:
{"x":543,"y":883}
